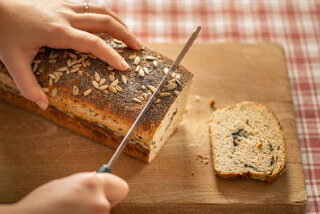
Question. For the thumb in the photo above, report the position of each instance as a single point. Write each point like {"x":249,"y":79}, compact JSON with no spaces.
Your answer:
{"x":19,"y":68}
{"x":115,"y":188}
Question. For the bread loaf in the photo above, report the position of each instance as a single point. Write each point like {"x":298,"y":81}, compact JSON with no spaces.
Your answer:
{"x":89,"y":97}
{"x":247,"y":142}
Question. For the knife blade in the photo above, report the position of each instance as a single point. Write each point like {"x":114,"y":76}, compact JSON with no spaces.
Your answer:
{"x":107,"y":168}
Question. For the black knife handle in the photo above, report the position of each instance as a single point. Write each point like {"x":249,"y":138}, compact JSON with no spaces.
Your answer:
{"x":105,"y":168}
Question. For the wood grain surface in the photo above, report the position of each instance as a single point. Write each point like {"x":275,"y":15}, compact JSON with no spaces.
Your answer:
{"x":34,"y":151}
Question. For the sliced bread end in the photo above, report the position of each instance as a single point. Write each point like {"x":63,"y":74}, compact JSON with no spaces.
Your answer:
{"x":247,"y":142}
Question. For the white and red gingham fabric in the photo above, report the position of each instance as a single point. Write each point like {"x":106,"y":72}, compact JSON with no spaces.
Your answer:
{"x":295,"y":24}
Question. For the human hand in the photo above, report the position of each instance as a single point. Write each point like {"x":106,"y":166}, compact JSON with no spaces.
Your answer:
{"x":30,"y":24}
{"x":82,"y":193}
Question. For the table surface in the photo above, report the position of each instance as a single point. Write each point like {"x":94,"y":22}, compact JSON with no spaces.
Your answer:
{"x":295,"y":24}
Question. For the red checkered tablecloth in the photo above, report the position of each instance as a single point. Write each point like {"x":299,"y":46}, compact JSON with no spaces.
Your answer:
{"x":295,"y":24}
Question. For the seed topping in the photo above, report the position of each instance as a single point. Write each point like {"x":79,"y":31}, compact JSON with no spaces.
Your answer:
{"x":102,"y":81}
{"x":75,"y":90}
{"x":152,"y":88}
{"x":170,"y":86}
{"x":95,"y":84}
{"x":103,"y":87}
{"x":114,"y":83}
{"x":111,"y":77}
{"x":97,"y":76}
{"x":178,"y":82}
{"x":165,"y":94}
{"x":155,"y":63}
{"x":137,"y":68}
{"x":146,"y":70}
{"x":52,"y":76}
{"x":157,"y":101}
{"x":56,"y":80}
{"x":72,"y":55}
{"x":88,"y":63}
{"x":137,"y":100}
{"x":132,"y":57}
{"x":34,"y":67}
{"x":124,"y":79}
{"x":117,"y":41}
{"x":150,"y":58}
{"x":141,"y":73}
{"x":87,"y":92}
{"x":36,"y":61}
{"x":69,"y":63}
{"x":136,"y":61}
{"x":62,"y":69}
{"x":53,"y":55}
{"x":112,"y":89}
{"x":50,"y":82}
{"x":74,"y":70}
{"x":118,"y":88}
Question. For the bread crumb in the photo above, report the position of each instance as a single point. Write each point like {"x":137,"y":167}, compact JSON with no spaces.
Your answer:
{"x":204,"y":159}
{"x":202,"y":156}
{"x":192,"y":173}
{"x":212,"y":104}
{"x":259,"y":145}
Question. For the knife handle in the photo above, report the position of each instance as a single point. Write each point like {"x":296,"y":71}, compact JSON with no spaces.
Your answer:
{"x":105,"y":168}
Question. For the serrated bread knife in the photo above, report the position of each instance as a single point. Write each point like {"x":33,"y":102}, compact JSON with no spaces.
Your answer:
{"x":106,"y":168}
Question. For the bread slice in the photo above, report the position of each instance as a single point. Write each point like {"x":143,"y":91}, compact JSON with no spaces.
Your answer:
{"x":91,"y":98}
{"x":247,"y":142}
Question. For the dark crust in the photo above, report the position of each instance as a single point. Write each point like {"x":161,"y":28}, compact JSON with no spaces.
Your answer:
{"x":249,"y":174}
{"x":119,"y":106}
{"x":78,"y":125}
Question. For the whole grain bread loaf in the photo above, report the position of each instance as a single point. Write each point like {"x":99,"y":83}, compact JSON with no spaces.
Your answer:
{"x":90,"y":97}
{"x":247,"y":142}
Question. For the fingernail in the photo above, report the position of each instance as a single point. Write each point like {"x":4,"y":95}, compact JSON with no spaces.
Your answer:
{"x":42,"y":104}
{"x":139,"y":44}
{"x":124,"y":65}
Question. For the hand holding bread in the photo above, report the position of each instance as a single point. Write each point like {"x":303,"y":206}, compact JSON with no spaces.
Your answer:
{"x":56,"y":24}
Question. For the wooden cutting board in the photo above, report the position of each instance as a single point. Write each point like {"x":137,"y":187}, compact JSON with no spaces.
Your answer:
{"x":34,"y":151}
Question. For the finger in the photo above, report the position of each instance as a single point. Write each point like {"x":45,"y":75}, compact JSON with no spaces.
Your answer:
{"x":105,"y":23}
{"x":114,"y":187}
{"x":94,"y":8}
{"x":88,"y":43}
{"x":19,"y":68}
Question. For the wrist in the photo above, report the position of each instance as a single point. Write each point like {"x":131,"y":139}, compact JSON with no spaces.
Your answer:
{"x":2,"y":6}
{"x":9,"y":208}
